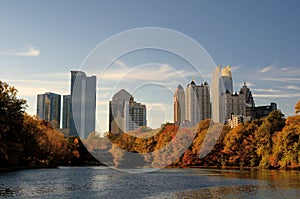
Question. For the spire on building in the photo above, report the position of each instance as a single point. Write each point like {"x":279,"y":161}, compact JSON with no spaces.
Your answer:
{"x":226,"y":71}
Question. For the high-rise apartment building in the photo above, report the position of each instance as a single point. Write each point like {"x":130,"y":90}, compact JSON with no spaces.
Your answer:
{"x":48,"y":108}
{"x":66,"y":111}
{"x":235,"y":104}
{"x":83,"y":104}
{"x":179,"y":105}
{"x":125,"y":114}
{"x":197,"y":103}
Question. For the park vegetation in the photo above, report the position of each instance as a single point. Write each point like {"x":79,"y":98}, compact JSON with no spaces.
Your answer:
{"x":27,"y":141}
{"x":269,"y":143}
{"x":272,"y":142}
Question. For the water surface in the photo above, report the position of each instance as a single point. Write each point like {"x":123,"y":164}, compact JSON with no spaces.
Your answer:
{"x":103,"y":182}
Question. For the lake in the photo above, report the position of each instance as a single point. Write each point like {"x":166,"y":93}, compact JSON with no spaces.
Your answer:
{"x":103,"y":182}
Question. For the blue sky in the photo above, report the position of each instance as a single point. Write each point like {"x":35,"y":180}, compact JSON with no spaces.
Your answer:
{"x":41,"y":41}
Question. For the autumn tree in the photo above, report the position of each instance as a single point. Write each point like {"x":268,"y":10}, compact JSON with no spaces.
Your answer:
{"x":273,"y":123}
{"x":287,"y":145}
{"x":240,"y":145}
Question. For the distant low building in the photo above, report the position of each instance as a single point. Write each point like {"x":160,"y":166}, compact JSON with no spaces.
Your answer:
{"x":261,"y":111}
{"x":235,"y":120}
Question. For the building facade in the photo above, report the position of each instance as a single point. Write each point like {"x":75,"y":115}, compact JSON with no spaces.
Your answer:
{"x":48,"y":108}
{"x":179,"y":105}
{"x":197,"y":103}
{"x":235,"y":104}
{"x":235,"y":120}
{"x":263,"y":111}
{"x":125,"y":114}
{"x":66,"y":111}
{"x":221,"y":82}
{"x":83,"y":104}
{"x":248,"y":96}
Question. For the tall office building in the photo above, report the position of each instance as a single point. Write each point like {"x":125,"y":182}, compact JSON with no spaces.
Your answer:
{"x":125,"y":114}
{"x":83,"y":104}
{"x":227,"y":79}
{"x":222,"y":85}
{"x":48,"y":108}
{"x":66,"y":111}
{"x":179,"y":105}
{"x":197,"y":102}
{"x":218,"y":96}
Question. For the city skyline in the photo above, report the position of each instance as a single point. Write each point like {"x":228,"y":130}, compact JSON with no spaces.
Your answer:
{"x":259,"y":40}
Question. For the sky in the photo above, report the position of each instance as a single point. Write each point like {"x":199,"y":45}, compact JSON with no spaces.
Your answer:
{"x":42,"y":41}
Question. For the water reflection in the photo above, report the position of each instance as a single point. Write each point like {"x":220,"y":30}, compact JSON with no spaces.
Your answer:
{"x":102,"y":182}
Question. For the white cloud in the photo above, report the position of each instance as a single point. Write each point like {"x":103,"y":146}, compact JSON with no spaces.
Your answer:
{"x":234,"y":68}
{"x":266,"y":69}
{"x":31,"y":52}
{"x":267,"y":90}
{"x":283,"y":95}
{"x":122,"y":64}
{"x":149,"y":72}
{"x":292,"y":87}
{"x":102,"y":103}
{"x":282,"y":79}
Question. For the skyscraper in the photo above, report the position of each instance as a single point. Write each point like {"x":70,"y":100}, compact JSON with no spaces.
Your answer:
{"x":83,"y":104}
{"x":217,"y":90}
{"x":227,"y":79}
{"x":48,"y":108}
{"x":222,"y":87}
{"x":197,"y":102}
{"x":179,"y":105}
{"x":125,"y":114}
{"x":66,"y":111}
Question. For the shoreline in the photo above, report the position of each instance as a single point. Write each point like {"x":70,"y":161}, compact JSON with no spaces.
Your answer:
{"x":20,"y":168}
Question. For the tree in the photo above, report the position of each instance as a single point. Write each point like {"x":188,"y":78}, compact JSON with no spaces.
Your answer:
{"x":11,"y":120}
{"x":287,"y":144}
{"x":272,"y":124}
{"x":240,"y":145}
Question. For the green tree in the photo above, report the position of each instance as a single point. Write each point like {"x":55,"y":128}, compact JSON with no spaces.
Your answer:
{"x":273,"y":123}
{"x":11,"y":121}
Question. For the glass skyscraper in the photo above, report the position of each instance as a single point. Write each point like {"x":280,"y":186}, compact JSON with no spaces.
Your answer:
{"x":48,"y":108}
{"x":83,"y":104}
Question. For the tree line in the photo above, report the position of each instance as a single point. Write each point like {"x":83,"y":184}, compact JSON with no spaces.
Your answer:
{"x":30,"y":141}
{"x":272,"y":142}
